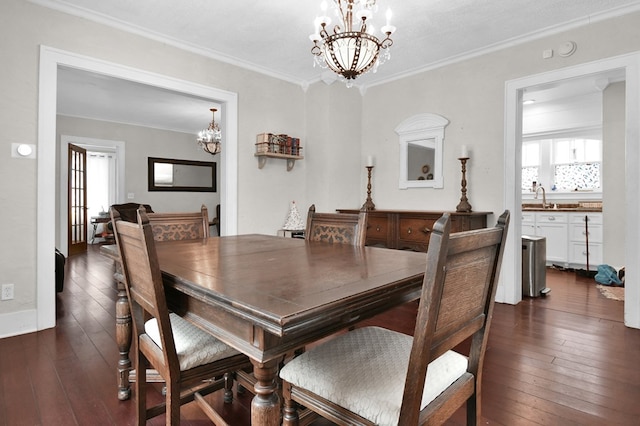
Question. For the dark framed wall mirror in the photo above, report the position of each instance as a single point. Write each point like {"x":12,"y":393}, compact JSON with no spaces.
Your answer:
{"x":167,"y":174}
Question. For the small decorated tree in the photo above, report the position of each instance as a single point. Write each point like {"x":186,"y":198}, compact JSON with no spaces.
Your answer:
{"x":294,"y":221}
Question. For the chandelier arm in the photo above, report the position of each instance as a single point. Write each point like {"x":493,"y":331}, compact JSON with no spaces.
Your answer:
{"x":341,"y":11}
{"x":363,"y":27}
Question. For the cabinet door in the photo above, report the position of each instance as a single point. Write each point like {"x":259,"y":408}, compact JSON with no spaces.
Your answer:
{"x":553,"y":226}
{"x":528,"y":224}
{"x":557,"y":244}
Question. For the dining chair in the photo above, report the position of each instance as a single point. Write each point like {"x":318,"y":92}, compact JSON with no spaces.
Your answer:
{"x":335,"y":228}
{"x":180,"y":226}
{"x":375,"y":376}
{"x":343,"y":228}
{"x":192,"y":362}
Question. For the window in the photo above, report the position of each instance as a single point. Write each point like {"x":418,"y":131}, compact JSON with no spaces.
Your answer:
{"x":576,"y":164}
{"x":563,"y":164}
{"x":530,"y":164}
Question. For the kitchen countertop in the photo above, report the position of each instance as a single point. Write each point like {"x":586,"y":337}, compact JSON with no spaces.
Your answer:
{"x":564,"y":207}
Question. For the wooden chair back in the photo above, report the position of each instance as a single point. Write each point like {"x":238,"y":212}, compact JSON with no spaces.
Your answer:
{"x":341,"y":228}
{"x":180,"y":226}
{"x":143,"y":278}
{"x":457,"y":302}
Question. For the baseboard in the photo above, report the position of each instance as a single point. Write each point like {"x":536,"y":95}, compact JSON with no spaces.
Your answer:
{"x":16,"y":323}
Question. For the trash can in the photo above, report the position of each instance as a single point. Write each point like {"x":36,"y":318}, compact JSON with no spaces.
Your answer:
{"x":534,"y":266}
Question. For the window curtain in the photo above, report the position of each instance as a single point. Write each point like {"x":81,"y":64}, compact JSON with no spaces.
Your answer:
{"x":101,"y":184}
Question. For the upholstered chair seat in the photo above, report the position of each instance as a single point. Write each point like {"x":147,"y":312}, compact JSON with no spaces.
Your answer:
{"x":194,"y":346}
{"x":364,"y":371}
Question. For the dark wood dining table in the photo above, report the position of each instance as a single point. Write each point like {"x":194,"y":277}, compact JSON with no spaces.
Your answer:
{"x":267,"y":296}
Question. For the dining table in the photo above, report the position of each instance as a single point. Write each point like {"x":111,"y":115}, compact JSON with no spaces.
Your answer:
{"x":267,"y":296}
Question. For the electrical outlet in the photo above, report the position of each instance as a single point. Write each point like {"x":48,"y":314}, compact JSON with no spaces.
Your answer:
{"x":7,"y":291}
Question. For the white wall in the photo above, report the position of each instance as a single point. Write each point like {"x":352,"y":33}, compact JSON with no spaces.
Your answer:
{"x":614,"y":175}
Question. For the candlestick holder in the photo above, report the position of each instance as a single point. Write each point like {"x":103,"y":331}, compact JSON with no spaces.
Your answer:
{"x":368,"y":205}
{"x":464,"y":205}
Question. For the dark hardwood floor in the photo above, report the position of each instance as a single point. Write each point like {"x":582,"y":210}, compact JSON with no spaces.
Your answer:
{"x":566,"y":359}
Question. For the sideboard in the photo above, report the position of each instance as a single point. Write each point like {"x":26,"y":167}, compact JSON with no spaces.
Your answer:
{"x":410,"y":229}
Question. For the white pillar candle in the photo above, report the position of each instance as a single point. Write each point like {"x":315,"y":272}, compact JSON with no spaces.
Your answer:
{"x":369,"y":161}
{"x":464,"y":153}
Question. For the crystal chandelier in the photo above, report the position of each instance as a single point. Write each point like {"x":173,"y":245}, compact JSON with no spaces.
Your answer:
{"x":210,"y":138}
{"x":350,"y":51}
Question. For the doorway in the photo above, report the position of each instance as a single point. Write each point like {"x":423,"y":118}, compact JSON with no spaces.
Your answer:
{"x":48,"y":233}
{"x":510,"y":290}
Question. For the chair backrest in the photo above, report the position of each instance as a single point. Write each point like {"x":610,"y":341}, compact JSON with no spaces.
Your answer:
{"x":456,"y":303}
{"x":341,"y":228}
{"x":180,"y":226}
{"x":128,"y":211}
{"x":143,"y":278}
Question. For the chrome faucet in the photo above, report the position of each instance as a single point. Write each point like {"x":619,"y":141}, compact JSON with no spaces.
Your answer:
{"x":544,"y":196}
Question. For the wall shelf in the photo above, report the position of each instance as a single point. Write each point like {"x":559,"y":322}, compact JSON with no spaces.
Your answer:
{"x":291,"y":159}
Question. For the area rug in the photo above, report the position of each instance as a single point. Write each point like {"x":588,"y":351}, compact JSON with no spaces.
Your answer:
{"x":611,"y":292}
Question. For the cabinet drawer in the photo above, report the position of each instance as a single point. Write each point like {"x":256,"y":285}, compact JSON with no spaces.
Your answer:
{"x":542,"y":218}
{"x":592,"y":218}
{"x":578,"y":254}
{"x":416,"y":229}
{"x":377,"y":228}
{"x":528,"y":217}
{"x":578,"y":233}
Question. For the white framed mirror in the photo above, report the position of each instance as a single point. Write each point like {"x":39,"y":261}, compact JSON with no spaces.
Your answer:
{"x":421,"y":139}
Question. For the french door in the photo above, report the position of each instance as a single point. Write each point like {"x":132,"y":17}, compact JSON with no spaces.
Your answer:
{"x":77,"y":200}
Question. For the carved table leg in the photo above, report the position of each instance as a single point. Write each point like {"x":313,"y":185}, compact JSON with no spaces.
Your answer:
{"x":265,"y":407}
{"x":123,"y":339}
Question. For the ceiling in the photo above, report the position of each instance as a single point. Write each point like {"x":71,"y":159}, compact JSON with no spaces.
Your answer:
{"x":271,"y":37}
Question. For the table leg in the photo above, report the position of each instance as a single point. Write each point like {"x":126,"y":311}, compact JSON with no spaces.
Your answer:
{"x":265,"y":407}
{"x":123,"y":339}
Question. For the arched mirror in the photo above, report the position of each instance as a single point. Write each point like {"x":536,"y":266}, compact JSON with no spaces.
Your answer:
{"x":421,"y":139}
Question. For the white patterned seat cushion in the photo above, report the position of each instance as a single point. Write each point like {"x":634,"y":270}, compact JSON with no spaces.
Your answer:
{"x":364,"y":371}
{"x":194,"y":346}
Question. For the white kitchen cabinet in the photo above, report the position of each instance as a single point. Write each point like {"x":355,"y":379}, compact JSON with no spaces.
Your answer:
{"x":566,"y":236}
{"x":528,"y":223}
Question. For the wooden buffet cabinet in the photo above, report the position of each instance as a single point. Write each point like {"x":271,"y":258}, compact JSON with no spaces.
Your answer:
{"x":410,"y":229}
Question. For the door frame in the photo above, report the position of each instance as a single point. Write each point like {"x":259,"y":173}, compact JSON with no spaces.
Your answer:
{"x":510,"y":286}
{"x":50,"y":60}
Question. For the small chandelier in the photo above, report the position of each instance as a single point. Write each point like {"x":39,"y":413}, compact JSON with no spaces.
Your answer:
{"x":350,"y":52}
{"x":210,"y":138}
